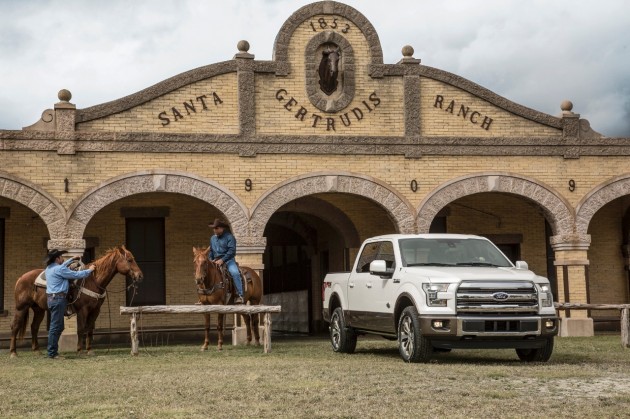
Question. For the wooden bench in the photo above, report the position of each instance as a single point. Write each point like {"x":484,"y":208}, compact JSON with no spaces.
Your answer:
{"x":202,"y":309}
{"x":625,"y":315}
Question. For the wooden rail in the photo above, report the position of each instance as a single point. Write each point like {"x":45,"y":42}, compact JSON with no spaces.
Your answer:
{"x":188,"y":309}
{"x":625,"y":315}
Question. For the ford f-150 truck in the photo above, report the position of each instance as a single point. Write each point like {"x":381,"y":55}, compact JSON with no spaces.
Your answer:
{"x":437,"y":292}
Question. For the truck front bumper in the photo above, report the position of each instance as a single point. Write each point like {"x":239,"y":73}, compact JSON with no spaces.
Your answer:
{"x":488,"y":331}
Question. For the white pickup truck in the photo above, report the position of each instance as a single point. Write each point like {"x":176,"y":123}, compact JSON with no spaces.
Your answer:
{"x":437,"y":292}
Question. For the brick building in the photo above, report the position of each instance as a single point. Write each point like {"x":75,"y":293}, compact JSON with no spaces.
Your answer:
{"x":306,"y":155}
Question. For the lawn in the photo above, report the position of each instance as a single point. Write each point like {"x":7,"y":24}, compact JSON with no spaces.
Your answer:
{"x":586,"y":377}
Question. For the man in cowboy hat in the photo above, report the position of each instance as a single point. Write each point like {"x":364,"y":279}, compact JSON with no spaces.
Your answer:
{"x":222,"y":251}
{"x":58,"y":276}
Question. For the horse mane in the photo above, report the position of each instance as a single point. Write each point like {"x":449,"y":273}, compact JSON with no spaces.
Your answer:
{"x":109,"y":258}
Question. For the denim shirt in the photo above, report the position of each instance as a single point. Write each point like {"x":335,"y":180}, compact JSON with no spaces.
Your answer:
{"x":222,"y":247}
{"x":57,"y":277}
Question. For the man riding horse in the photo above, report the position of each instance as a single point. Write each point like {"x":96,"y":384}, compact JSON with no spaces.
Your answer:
{"x":222,"y":252}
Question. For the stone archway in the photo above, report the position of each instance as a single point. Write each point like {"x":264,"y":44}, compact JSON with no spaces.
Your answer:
{"x":183,"y":183}
{"x":398,"y":208}
{"x":558,"y":211}
{"x":597,"y":198}
{"x":28,"y":194}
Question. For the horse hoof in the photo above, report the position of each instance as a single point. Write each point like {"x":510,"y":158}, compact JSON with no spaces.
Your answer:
{"x":204,"y":348}
{"x":13,"y":355}
{"x":90,"y":353}
{"x":248,"y":343}
{"x":219,"y":349}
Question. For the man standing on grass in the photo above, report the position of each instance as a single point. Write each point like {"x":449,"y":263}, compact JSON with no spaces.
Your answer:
{"x":222,"y":251}
{"x":58,"y":276}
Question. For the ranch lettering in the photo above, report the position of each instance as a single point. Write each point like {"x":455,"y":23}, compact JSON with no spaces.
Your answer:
{"x":464,"y":111}
{"x":355,"y":114}
{"x":189,"y":107}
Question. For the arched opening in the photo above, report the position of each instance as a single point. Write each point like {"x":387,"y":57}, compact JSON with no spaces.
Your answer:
{"x":307,"y":238}
{"x":516,"y":225}
{"x":159,"y":228}
{"x":23,"y":239}
{"x":609,"y":258}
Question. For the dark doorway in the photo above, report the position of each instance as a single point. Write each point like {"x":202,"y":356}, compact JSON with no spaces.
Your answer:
{"x":145,"y":239}
{"x":511,"y":250}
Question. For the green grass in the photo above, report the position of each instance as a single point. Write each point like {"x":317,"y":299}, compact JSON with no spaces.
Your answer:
{"x":586,"y":377}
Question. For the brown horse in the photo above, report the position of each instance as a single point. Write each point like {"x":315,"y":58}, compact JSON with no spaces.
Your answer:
{"x":88,"y":304}
{"x":211,"y":291}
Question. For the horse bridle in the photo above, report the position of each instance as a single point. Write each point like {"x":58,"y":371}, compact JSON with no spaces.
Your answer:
{"x":202,"y":282}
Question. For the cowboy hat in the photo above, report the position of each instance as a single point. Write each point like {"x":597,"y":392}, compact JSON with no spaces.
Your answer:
{"x":219,"y":223}
{"x":52,"y":255}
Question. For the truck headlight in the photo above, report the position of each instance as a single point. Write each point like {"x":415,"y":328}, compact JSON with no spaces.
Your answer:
{"x":546,"y":298}
{"x":431,"y":291}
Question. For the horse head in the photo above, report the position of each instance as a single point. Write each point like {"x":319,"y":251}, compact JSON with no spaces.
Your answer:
{"x":126,"y":265}
{"x":200,"y":260}
{"x":333,"y":60}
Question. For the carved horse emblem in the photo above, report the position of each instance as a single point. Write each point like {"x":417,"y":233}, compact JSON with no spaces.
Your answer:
{"x":329,"y":69}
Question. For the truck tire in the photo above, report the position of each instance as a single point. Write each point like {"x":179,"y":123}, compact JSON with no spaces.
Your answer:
{"x":412,"y":345}
{"x":342,"y":338}
{"x":537,"y":355}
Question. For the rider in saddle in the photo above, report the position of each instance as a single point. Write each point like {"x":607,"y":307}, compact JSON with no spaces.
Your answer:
{"x":222,"y":251}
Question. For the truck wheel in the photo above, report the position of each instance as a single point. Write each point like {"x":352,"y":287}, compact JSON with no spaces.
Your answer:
{"x":342,"y":338}
{"x":412,"y":345}
{"x":536,"y":355}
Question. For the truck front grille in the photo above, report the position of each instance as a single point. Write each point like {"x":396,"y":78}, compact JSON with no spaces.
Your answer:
{"x":497,"y":297}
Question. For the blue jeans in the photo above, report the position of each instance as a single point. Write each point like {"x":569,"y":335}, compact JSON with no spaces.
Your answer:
{"x":57,"y":306}
{"x":236,"y":276}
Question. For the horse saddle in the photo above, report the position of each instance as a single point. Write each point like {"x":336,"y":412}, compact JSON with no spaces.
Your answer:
{"x":40,"y":282}
{"x":228,"y":281}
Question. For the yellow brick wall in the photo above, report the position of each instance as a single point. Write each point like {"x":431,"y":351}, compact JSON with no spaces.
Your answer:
{"x":218,"y":118}
{"x":87,"y":170}
{"x":439,"y":122}
{"x":272,"y":117}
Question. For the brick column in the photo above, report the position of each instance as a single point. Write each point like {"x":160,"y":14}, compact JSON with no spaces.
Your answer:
{"x":571,"y":262}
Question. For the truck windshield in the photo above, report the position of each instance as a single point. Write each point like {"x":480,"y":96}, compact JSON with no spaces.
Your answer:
{"x":451,"y":252}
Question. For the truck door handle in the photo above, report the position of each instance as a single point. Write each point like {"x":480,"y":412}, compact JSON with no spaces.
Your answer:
{"x":369,"y":285}
{"x":351,"y":284}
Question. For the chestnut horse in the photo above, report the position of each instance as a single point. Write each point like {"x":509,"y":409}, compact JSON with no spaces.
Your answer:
{"x":88,"y":305}
{"x":211,"y":291}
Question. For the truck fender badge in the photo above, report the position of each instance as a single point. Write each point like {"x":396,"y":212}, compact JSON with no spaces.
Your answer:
{"x":500,"y":296}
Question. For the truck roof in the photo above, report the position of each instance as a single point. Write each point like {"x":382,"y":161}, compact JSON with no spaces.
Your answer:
{"x":427,"y":236}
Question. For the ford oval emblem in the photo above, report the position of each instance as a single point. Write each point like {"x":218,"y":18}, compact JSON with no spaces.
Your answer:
{"x":500,"y":296}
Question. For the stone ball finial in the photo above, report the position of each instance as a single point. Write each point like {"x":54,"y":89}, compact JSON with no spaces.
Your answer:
{"x":243,"y":46}
{"x":407,"y":51}
{"x":64,"y":95}
{"x":566,"y":106}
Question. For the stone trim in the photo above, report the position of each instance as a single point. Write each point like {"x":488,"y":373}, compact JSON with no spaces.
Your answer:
{"x":284,"y":144}
{"x":35,"y":198}
{"x":398,"y":208}
{"x":557,"y":208}
{"x":318,"y":98}
{"x":412,"y":105}
{"x":245,"y":81}
{"x":158,"y":180}
{"x":597,"y":198}
{"x":157,"y":90}
{"x":283,"y":39}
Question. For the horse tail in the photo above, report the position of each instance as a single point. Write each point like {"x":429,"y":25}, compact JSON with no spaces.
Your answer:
{"x":22,"y":321}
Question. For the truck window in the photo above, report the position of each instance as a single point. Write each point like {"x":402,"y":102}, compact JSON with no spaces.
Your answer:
{"x":450,"y":252}
{"x":376,"y":251}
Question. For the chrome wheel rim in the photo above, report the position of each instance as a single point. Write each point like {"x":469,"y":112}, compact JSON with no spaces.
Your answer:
{"x":406,"y":337}
{"x":335,"y":331}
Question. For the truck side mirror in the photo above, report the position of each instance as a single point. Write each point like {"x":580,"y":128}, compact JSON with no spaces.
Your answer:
{"x":521,"y":264}
{"x":379,"y":267}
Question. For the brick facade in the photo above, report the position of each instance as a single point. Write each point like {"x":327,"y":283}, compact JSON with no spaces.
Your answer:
{"x":332,"y":177}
